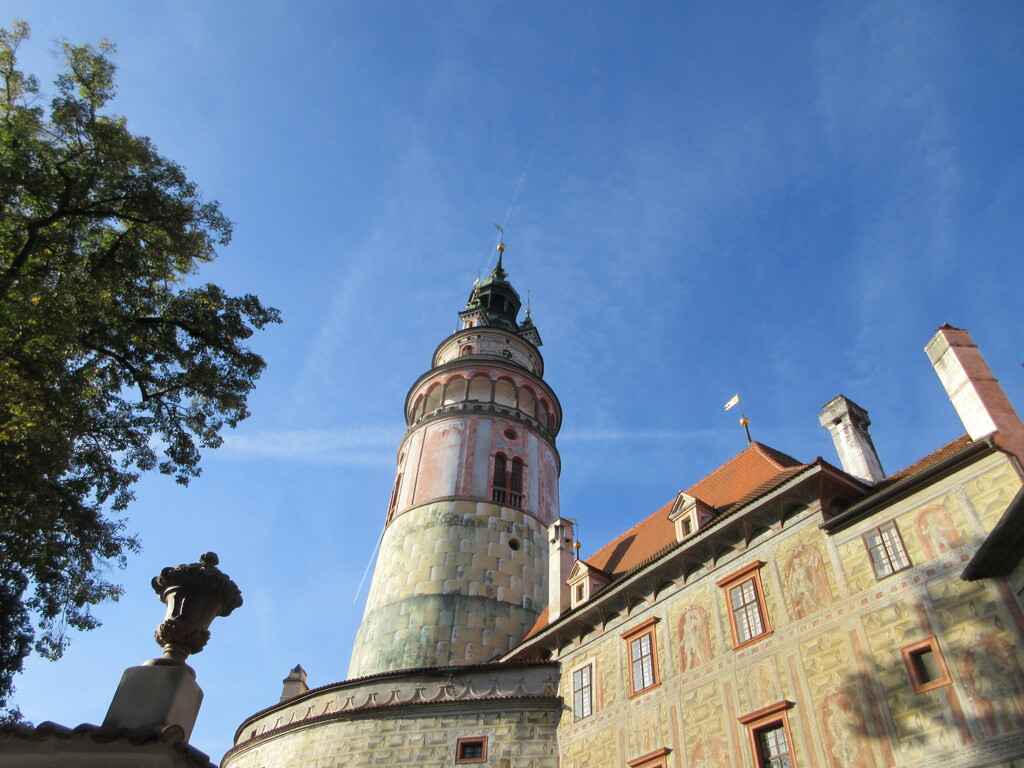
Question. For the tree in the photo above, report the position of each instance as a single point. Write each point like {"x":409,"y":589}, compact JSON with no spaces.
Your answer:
{"x":110,"y":362}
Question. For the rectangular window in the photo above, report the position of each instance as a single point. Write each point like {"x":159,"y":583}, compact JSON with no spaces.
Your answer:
{"x":643,"y":656}
{"x":885,"y":546}
{"x":770,"y":738}
{"x":773,"y":747}
{"x":925,"y":665}
{"x":745,"y":597}
{"x":471,"y":750}
{"x":583,"y":692}
{"x":746,"y":611}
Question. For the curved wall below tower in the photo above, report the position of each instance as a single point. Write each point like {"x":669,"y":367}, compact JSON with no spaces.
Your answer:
{"x":463,"y":582}
{"x":413,"y":718}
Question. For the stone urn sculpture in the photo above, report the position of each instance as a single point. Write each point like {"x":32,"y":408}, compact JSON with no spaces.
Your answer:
{"x":195,"y":594}
{"x":162,"y":693}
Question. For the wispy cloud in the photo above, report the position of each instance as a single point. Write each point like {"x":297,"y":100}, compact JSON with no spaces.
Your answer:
{"x":360,"y":447}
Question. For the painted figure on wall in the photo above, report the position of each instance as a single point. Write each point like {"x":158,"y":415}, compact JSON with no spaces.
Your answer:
{"x":994,"y":679}
{"x":807,"y":584}
{"x":441,"y":462}
{"x":709,"y":752}
{"x":937,"y":531}
{"x":842,"y":725}
{"x":695,"y":648}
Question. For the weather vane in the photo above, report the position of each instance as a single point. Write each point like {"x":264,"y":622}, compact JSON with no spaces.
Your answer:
{"x":744,"y":421}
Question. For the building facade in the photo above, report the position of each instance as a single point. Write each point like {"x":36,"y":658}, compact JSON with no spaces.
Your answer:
{"x":775,"y":613}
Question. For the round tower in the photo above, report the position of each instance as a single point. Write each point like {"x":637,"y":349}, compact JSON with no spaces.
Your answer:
{"x":462,"y":570}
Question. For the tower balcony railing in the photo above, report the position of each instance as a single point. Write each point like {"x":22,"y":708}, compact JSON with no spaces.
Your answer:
{"x":509,"y":498}
{"x":476,"y":405}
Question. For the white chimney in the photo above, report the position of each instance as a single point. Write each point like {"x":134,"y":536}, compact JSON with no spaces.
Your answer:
{"x":848,"y":423}
{"x":560,"y":560}
{"x":980,"y":402}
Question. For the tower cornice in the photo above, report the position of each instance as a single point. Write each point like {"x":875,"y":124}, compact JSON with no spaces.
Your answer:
{"x":489,"y":362}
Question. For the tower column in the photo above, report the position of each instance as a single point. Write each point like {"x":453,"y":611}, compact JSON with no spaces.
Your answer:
{"x":462,"y":570}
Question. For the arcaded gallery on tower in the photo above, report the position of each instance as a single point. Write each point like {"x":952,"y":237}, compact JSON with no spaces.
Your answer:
{"x":775,"y":613}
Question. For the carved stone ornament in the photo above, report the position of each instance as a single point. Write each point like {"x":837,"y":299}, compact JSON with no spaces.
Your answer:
{"x":195,"y":594}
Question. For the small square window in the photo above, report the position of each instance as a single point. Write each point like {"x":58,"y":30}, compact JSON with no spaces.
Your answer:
{"x":925,"y":665}
{"x":473,"y":750}
{"x":885,"y":546}
{"x":643,"y":657}
{"x":583,"y":692}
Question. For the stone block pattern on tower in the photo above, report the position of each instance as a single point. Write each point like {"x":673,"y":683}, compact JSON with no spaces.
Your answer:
{"x":467,"y":587}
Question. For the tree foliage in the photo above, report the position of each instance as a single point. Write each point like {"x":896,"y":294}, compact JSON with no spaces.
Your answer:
{"x":110,"y":363}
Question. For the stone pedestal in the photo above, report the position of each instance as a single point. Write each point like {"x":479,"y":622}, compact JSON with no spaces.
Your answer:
{"x":151,"y":697}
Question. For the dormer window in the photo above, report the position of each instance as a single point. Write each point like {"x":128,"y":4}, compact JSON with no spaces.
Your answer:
{"x":584,"y":582}
{"x":689,"y":514}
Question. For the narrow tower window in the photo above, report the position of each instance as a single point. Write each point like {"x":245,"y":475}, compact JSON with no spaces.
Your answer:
{"x":515,"y":486}
{"x":507,"y":485}
{"x":499,"y":486}
{"x":393,"y":506}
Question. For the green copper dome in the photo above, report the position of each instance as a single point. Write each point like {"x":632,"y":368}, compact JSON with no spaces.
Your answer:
{"x":496,"y":296}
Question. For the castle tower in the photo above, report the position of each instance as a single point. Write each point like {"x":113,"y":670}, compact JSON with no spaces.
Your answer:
{"x":462,"y":570}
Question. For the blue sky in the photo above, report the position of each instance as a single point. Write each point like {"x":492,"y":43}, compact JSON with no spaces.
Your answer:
{"x":701,"y":199}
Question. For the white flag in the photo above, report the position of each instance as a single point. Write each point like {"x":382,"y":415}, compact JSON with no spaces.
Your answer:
{"x":735,"y":401}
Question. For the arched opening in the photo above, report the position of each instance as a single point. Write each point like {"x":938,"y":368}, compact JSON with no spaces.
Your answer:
{"x":505,"y":393}
{"x":433,"y":401}
{"x":527,"y":403}
{"x":544,"y":415}
{"x":455,"y":390}
{"x":480,"y":389}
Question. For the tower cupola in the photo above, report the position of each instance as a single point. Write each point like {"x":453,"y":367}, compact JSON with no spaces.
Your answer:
{"x":493,"y":301}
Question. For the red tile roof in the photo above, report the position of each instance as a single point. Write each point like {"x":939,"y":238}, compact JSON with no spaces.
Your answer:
{"x":726,"y":485}
{"x":953,"y":446}
{"x":741,"y":480}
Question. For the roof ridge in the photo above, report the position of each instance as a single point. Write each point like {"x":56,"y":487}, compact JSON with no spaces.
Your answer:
{"x":766,"y":451}
{"x":635,"y":525}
